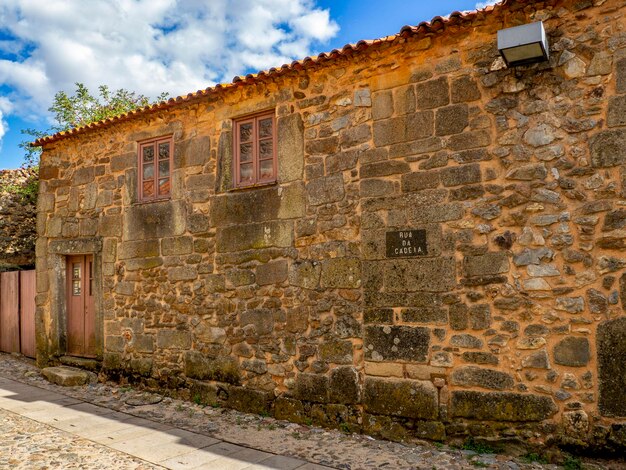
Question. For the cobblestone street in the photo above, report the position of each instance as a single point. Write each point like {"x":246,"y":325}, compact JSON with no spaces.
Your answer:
{"x":108,"y":426}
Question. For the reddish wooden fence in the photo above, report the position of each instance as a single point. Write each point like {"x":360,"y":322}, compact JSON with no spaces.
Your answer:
{"x":17,"y":312}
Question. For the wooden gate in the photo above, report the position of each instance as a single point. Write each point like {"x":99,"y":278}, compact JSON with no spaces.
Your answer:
{"x":17,"y":312}
{"x":27,"y":313}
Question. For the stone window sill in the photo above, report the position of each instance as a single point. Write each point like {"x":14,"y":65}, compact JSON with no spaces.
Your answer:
{"x":253,"y":186}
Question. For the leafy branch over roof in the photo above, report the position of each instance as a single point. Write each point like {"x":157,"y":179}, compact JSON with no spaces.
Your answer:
{"x":82,"y":108}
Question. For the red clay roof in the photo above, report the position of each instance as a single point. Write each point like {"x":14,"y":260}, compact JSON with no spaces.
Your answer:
{"x":436,"y":24}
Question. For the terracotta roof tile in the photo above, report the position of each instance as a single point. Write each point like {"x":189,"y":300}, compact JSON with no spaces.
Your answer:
{"x":436,"y":24}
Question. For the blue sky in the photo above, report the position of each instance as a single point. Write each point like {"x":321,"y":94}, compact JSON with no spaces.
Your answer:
{"x":178,"y":46}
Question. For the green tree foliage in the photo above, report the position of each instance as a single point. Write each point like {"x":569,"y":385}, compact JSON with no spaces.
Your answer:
{"x":31,"y":154}
{"x":82,"y":108}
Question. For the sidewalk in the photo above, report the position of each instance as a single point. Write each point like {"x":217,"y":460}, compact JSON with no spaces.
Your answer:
{"x":160,"y":444}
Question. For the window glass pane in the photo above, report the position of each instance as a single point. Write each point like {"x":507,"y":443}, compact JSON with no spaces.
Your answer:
{"x":265,"y":149}
{"x":148,"y":154}
{"x":245,"y":132}
{"x":75,"y":287}
{"x":90,"y":278}
{"x":148,"y":171}
{"x":265,"y":128}
{"x":164,"y":187}
{"x":266,"y":169}
{"x":76,"y":271}
{"x":164,"y":168}
{"x":164,"y":151}
{"x":245,"y":175}
{"x":245,"y":153}
{"x":148,"y":188}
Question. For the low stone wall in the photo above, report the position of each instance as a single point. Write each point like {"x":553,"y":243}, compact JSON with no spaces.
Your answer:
{"x":442,"y":256}
{"x":18,"y":230}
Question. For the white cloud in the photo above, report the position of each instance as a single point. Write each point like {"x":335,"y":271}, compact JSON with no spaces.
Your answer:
{"x":316,"y":24}
{"x":481,"y":5}
{"x":148,"y":46}
{"x":4,"y":127}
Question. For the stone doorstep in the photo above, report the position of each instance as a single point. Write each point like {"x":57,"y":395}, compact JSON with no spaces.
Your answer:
{"x":66,"y":376}
{"x":93,"y":365}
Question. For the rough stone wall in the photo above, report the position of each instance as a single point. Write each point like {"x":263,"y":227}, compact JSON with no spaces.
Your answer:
{"x":284,"y":300}
{"x":17,"y":221}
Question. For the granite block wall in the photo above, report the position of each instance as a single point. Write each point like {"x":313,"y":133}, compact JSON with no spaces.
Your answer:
{"x":17,"y":220}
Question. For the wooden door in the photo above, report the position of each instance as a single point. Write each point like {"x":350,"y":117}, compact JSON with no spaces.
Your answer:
{"x":27,"y":312}
{"x":81,"y":326}
{"x":9,"y":312}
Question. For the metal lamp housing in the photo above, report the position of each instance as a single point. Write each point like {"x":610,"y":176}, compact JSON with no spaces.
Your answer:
{"x":522,"y":45}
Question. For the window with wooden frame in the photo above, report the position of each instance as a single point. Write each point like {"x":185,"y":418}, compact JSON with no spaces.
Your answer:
{"x":155,"y":169}
{"x":255,"y":150}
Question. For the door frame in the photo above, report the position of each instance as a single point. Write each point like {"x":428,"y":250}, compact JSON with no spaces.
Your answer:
{"x":60,"y":251}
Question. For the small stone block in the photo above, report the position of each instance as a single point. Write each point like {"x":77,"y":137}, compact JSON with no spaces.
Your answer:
{"x":65,"y":376}
{"x":271,"y":273}
{"x":501,"y":406}
{"x":405,"y":398}
{"x":572,"y":351}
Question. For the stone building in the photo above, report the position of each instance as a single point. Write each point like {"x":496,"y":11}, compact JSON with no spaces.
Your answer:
{"x":403,"y":237}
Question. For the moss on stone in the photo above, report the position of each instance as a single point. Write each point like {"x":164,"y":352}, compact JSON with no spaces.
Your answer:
{"x":501,"y":406}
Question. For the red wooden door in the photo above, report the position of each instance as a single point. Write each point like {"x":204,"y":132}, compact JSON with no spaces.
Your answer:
{"x":81,"y":331}
{"x":27,"y":312}
{"x":9,"y":312}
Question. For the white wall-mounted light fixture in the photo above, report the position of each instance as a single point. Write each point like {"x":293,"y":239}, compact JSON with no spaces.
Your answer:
{"x":524,"y":44}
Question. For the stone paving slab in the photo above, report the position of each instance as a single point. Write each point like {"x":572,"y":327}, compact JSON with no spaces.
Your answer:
{"x":221,"y":455}
{"x":134,"y":427}
{"x":200,"y":458}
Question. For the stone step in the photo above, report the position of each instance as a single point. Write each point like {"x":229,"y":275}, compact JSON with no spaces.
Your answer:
{"x":81,"y":362}
{"x":66,"y":376}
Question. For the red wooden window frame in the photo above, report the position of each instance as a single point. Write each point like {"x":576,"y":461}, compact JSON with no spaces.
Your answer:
{"x":159,"y":167}
{"x":257,"y":158}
